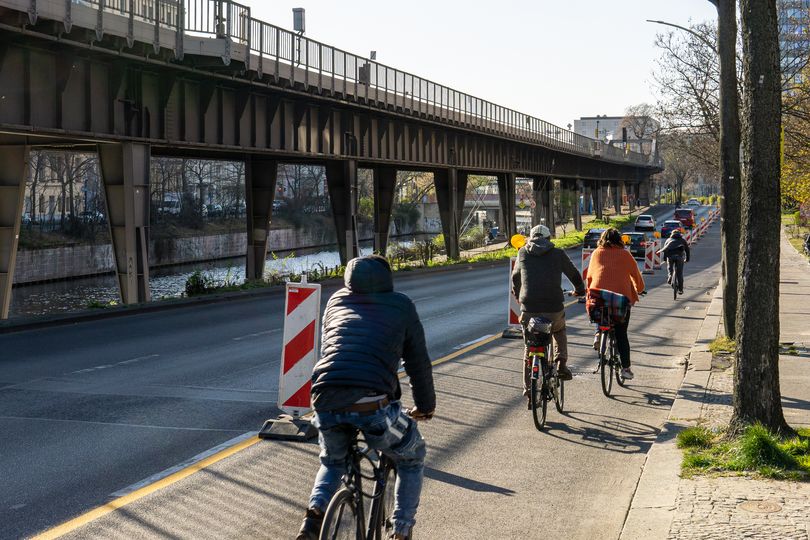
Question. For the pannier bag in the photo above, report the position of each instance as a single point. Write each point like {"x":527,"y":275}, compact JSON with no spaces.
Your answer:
{"x":605,"y":306}
{"x":538,"y":331}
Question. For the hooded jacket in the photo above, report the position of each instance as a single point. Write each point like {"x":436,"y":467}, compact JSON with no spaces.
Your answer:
{"x":676,"y":246}
{"x":367,"y":329}
{"x":537,"y":276}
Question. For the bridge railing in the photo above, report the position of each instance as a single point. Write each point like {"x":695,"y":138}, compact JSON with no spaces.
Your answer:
{"x":349,"y":74}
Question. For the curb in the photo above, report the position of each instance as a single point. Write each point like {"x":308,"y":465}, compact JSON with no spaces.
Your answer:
{"x":652,"y":509}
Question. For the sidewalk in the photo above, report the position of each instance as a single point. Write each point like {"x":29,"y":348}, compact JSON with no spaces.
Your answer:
{"x":667,"y":506}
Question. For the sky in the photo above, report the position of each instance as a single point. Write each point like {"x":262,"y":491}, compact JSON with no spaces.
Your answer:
{"x":554,"y":59}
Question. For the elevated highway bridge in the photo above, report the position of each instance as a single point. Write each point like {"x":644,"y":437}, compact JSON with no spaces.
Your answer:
{"x":203,"y":78}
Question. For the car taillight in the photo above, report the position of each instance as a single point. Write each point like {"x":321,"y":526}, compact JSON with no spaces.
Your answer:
{"x":643,"y":244}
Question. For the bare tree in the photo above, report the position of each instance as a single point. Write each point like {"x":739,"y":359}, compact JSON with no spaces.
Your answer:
{"x":641,"y":125}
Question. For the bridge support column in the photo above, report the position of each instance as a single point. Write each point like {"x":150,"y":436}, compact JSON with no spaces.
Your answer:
{"x":125,"y":170}
{"x":12,"y":197}
{"x":577,"y":192}
{"x":451,"y":188}
{"x":644,"y":192}
{"x":617,"y":197}
{"x":538,"y":212}
{"x":506,"y":197}
{"x":587,"y":202}
{"x":598,"y":200}
{"x":261,"y":175}
{"x":385,"y":181}
{"x":341,"y":180}
{"x":546,"y":188}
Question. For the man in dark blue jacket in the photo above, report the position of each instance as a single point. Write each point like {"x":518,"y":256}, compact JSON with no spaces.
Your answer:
{"x":367,"y":330}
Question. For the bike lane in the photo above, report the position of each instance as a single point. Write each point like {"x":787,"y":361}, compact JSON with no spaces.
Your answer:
{"x":489,"y":473}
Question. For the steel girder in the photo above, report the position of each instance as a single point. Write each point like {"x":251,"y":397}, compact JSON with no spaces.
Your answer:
{"x":14,"y":161}
{"x":125,"y":170}
{"x":86,"y":94}
{"x":260,"y":189}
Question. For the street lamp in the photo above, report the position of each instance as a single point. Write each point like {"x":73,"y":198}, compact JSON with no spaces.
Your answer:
{"x":705,"y":41}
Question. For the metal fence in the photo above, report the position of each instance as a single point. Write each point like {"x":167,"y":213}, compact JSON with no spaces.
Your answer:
{"x":339,"y":71}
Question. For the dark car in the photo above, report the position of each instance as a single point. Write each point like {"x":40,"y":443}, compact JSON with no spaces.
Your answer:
{"x":669,"y":226}
{"x":592,"y":237}
{"x":685,"y":216}
{"x":638,"y":243}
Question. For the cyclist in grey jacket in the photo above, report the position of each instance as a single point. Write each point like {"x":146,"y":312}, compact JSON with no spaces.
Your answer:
{"x":536,"y":282}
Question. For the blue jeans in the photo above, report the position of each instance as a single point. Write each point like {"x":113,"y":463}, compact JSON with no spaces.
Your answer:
{"x":389,"y":430}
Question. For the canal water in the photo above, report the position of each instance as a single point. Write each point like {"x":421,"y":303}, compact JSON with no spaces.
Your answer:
{"x":167,"y":282}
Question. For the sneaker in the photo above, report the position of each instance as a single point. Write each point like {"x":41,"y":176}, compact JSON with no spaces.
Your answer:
{"x":399,"y":536}
{"x":311,"y":527}
{"x":564,"y":373}
{"x":680,"y":291}
{"x":627,"y":374}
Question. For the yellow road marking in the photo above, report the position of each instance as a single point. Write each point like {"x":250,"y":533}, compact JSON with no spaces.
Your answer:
{"x":120,"y":502}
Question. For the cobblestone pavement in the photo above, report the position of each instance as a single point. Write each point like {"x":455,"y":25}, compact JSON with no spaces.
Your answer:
{"x":710,"y":508}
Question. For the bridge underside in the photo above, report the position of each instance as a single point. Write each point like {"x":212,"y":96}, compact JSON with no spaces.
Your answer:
{"x":69,"y":92}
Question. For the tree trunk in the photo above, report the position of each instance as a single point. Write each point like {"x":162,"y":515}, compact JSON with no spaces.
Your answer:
{"x":729,"y":158}
{"x":756,"y":372}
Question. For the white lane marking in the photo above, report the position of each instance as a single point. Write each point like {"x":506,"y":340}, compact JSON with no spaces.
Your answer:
{"x":257,"y":334}
{"x":18,"y":506}
{"x":423,"y":298}
{"x":116,"y":424}
{"x":122,"y":363}
{"x":461,"y":346}
{"x":445,"y":314}
{"x":180,"y":466}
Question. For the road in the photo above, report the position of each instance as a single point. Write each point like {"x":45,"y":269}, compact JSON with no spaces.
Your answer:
{"x":90,"y":409}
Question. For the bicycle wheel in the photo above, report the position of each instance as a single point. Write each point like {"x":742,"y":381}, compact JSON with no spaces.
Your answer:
{"x":385,"y":525}
{"x":559,"y":394}
{"x":605,"y":368}
{"x":340,"y":519}
{"x":539,"y":404}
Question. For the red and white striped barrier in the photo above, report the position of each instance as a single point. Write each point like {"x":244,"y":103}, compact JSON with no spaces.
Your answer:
{"x":513,"y":317}
{"x":586,"y":259}
{"x":657,"y":257}
{"x":649,"y":257}
{"x":301,"y":331}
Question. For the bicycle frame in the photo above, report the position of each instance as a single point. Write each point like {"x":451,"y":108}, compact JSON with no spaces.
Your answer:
{"x":353,"y":480}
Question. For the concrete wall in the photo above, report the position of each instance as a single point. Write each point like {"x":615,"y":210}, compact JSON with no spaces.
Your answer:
{"x":77,"y":261}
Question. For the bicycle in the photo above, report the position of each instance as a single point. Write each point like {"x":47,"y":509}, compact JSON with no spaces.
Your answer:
{"x":345,"y":516}
{"x":545,"y":382}
{"x":676,"y":282}
{"x":603,"y":313}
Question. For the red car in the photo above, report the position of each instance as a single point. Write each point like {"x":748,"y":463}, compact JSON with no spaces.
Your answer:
{"x":686,"y":216}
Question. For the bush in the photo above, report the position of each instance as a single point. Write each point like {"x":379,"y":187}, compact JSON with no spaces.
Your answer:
{"x":199,"y":283}
{"x":472,"y":238}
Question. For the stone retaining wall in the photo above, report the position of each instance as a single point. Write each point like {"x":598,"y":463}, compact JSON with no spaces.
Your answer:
{"x":88,"y":260}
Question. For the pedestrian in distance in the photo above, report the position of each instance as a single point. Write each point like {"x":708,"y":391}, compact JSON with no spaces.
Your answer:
{"x":536,"y":282}
{"x":676,"y":252}
{"x":368,"y":329}
{"x":613,"y":268}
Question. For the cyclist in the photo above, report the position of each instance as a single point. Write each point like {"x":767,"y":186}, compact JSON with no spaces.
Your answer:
{"x":536,"y":281}
{"x":613,"y":268}
{"x":367,"y":329}
{"x":675,"y":250}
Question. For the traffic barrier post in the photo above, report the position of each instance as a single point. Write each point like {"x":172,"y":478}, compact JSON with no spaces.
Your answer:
{"x":513,"y":314}
{"x":649,"y":249}
{"x":659,"y":243}
{"x":586,"y":259}
{"x":302,"y":309}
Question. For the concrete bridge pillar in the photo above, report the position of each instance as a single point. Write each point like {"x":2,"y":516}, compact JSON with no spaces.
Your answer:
{"x":577,"y":193}
{"x":506,"y":197}
{"x":385,"y":181}
{"x":341,"y":180}
{"x":12,"y":197}
{"x":125,"y":171}
{"x":260,"y":189}
{"x":451,"y":188}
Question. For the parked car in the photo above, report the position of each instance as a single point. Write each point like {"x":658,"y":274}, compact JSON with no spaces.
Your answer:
{"x":638,"y":243}
{"x":685,"y":216}
{"x":91,"y":216}
{"x":592,"y":237}
{"x":645,"y":222}
{"x":214,"y":210}
{"x":693,"y":202}
{"x":669,"y":226}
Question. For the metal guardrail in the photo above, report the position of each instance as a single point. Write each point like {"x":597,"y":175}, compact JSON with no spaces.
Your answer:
{"x":346,"y":71}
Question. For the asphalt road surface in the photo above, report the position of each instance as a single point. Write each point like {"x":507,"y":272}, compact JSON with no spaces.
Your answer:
{"x":90,"y":409}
